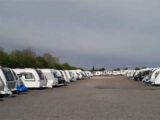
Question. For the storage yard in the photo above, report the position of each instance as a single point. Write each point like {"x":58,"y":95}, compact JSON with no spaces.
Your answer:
{"x":79,"y":60}
{"x":97,"y":98}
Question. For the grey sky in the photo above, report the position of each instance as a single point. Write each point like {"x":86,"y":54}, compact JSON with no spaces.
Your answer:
{"x":109,"y":33}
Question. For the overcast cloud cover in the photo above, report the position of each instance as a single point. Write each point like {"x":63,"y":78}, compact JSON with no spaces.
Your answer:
{"x":104,"y":33}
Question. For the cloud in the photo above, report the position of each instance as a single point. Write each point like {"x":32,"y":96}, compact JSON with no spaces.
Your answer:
{"x":94,"y":32}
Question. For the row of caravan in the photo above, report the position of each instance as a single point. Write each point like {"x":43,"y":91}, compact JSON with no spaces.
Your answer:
{"x":106,"y":73}
{"x":20,"y":80}
{"x":149,"y":76}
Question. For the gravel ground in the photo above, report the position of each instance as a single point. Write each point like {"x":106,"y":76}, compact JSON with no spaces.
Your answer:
{"x":99,"y":98}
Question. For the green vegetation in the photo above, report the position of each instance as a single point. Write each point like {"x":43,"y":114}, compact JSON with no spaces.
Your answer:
{"x":29,"y":59}
{"x":138,"y":68}
{"x":125,"y":68}
{"x":117,"y":69}
{"x":95,"y":69}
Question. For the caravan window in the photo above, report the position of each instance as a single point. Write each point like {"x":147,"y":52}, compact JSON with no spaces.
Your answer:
{"x":156,"y":74}
{"x":29,"y":76}
{"x":40,"y":74}
{"x":55,"y":74}
{"x":15,"y":75}
{"x":26,"y":76}
{"x":62,"y":74}
{"x":8,"y":74}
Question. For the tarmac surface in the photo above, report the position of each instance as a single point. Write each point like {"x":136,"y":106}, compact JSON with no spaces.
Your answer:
{"x":99,"y":98}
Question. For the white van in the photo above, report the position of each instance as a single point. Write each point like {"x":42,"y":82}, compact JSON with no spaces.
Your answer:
{"x":8,"y":80}
{"x":51,"y":80}
{"x":32,"y":78}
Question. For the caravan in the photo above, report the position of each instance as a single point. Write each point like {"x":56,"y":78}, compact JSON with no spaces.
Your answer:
{"x":65,"y":76}
{"x":154,"y":77}
{"x":58,"y":75}
{"x":89,"y":74}
{"x":139,"y":75}
{"x":68,"y":75}
{"x":32,"y":78}
{"x":20,"y":87}
{"x":51,"y":80}
{"x":74,"y":75}
{"x":8,"y":82}
{"x":1,"y":86}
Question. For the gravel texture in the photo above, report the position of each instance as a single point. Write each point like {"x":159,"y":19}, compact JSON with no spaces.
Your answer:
{"x":99,"y":98}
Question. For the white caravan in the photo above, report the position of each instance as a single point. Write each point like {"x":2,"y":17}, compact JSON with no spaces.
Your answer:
{"x":155,"y":77}
{"x":142,"y":74}
{"x":116,"y":73}
{"x":1,"y":86}
{"x":58,"y":75}
{"x":74,"y":75}
{"x":80,"y":75}
{"x":51,"y":80}
{"x":32,"y":78}
{"x":98,"y":73}
{"x":105,"y":73}
{"x":110,"y":72}
{"x":65,"y":76}
{"x":20,"y":87}
{"x":8,"y":80}
{"x":130,"y":73}
{"x":89,"y":74}
{"x":68,"y":75}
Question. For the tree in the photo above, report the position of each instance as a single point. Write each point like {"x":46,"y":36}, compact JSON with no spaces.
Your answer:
{"x":125,"y":68}
{"x":22,"y":59}
{"x":41,"y":62}
{"x":28,"y":59}
{"x":102,"y":69}
{"x":137,"y":68}
{"x":50,"y":59}
{"x":4,"y":58}
{"x":58,"y":66}
{"x":117,"y":69}
{"x":66,"y":66}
